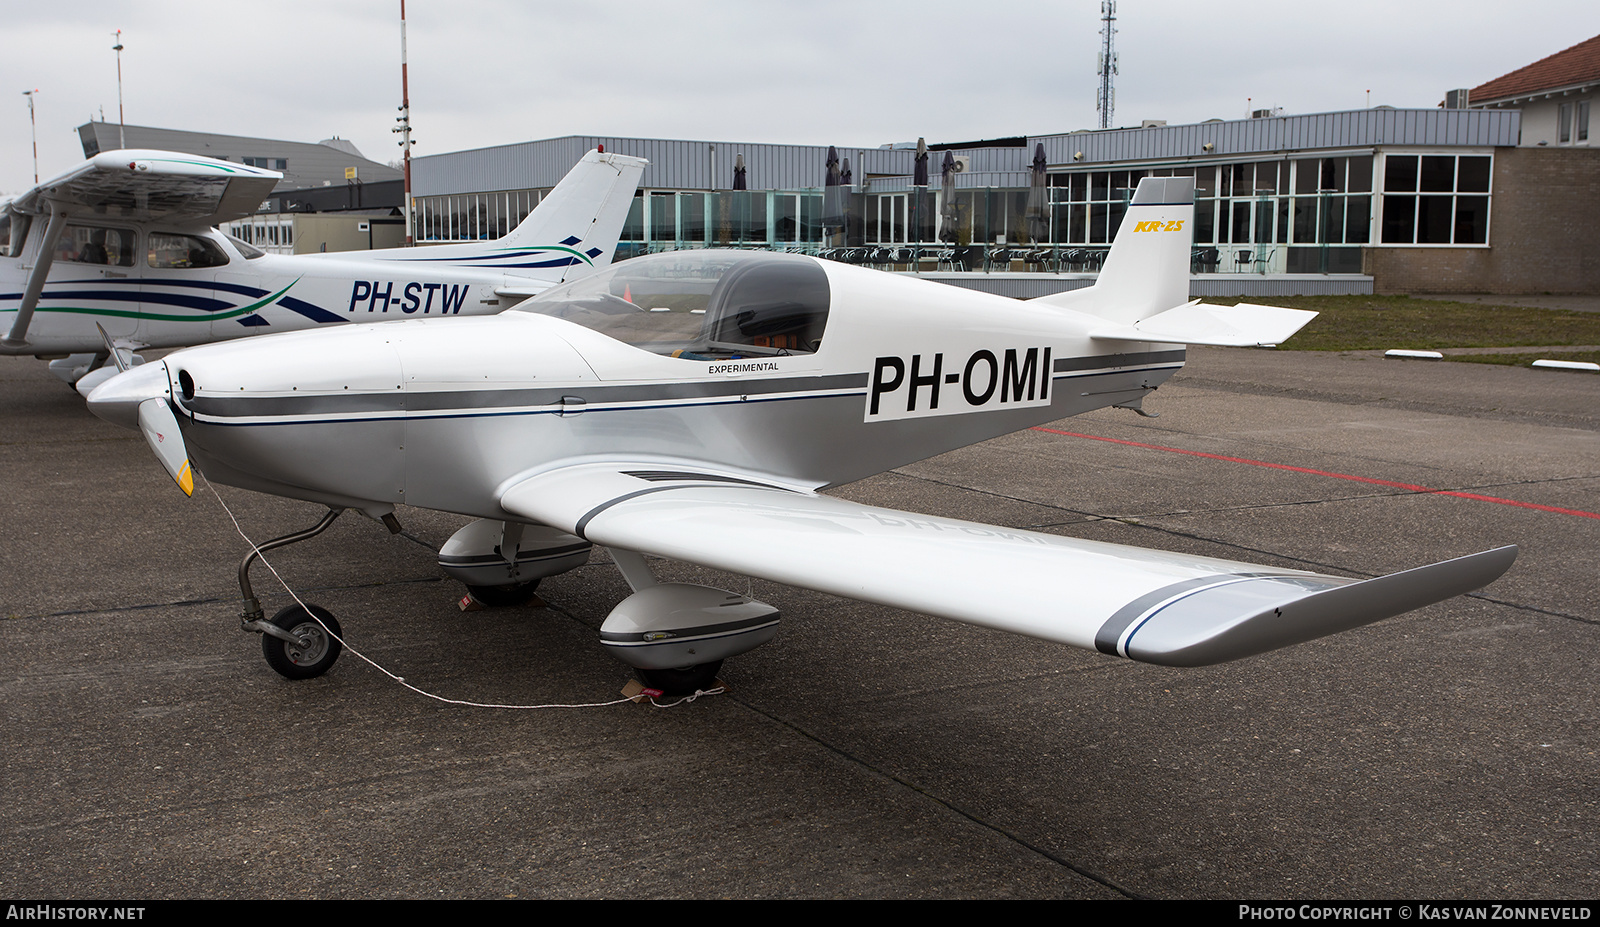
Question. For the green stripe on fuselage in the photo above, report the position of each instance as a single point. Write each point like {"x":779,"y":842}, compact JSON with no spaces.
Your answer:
{"x":162,"y":317}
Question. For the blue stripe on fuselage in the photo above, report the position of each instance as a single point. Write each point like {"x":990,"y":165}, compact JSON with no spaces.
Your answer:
{"x":314,"y":313}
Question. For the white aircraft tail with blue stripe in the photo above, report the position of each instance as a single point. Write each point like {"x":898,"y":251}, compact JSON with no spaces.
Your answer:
{"x":590,"y":204}
{"x":573,"y":230}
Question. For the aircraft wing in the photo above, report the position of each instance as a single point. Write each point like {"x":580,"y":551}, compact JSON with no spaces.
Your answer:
{"x":1152,"y":606}
{"x":146,"y":185}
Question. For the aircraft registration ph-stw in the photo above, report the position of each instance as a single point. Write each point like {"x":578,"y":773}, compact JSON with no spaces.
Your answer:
{"x":691,"y":405}
{"x":125,"y":243}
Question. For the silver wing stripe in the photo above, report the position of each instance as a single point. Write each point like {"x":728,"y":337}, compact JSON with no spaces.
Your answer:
{"x":687,"y":480}
{"x":1108,"y":639}
{"x":589,"y":516}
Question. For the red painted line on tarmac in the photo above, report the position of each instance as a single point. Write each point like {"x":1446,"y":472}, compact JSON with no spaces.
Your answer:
{"x":1338,"y":476}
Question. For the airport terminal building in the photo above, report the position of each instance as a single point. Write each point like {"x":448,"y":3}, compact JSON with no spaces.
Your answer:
{"x":1460,"y":198}
{"x":1437,"y":200}
{"x":1493,"y":192}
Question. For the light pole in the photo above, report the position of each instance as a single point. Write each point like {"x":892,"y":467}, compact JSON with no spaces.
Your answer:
{"x":122,"y":121}
{"x":33,"y":125}
{"x":404,"y":128}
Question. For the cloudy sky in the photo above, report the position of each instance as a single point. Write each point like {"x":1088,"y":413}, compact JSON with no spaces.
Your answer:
{"x":848,"y":72}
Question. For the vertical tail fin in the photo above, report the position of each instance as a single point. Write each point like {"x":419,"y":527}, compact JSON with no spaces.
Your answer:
{"x":585,"y":211}
{"x":1147,"y":269}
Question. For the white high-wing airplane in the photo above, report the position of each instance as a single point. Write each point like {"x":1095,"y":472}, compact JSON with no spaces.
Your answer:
{"x":691,"y":404}
{"x":125,"y":241}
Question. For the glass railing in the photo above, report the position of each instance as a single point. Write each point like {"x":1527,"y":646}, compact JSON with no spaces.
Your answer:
{"x":1036,"y":259}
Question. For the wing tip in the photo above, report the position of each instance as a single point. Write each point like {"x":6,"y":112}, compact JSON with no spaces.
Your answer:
{"x":1229,"y":622}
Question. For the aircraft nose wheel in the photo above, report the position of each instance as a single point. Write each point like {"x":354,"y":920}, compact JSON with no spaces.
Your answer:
{"x":315,"y":650}
{"x":682,"y":681}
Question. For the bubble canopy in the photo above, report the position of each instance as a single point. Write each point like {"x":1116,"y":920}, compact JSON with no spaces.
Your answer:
{"x":700,"y":305}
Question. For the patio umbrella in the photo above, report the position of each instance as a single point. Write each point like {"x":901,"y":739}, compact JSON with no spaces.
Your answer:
{"x":949,"y":215}
{"x":832,"y":199}
{"x":847,"y":197}
{"x":921,"y":221}
{"x":1037,"y":221}
{"x":726,"y":202}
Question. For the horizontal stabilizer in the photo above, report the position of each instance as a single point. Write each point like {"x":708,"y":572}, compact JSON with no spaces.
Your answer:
{"x":1148,"y":605}
{"x":519,"y":292}
{"x":1244,"y":325}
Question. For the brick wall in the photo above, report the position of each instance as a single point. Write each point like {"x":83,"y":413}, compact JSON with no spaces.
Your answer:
{"x":1544,"y":233}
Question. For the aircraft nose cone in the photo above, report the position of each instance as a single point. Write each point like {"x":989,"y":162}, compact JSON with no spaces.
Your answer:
{"x":117,"y":399}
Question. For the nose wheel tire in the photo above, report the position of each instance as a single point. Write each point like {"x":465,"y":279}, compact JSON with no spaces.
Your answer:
{"x":682,"y":681}
{"x":316,"y":650}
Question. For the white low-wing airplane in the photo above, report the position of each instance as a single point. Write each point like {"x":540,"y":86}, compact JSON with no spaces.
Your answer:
{"x":125,"y":241}
{"x":691,"y":404}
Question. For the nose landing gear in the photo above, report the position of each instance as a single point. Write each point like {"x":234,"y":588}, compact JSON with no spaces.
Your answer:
{"x":299,"y":643}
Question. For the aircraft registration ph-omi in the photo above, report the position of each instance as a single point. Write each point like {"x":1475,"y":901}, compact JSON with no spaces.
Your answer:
{"x":691,"y":405}
{"x":125,"y":244}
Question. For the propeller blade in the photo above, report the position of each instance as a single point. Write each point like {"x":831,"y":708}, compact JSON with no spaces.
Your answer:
{"x":160,"y":428}
{"x":116,"y":356}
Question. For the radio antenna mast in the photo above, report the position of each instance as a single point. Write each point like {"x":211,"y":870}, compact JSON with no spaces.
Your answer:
{"x":1107,"y":98}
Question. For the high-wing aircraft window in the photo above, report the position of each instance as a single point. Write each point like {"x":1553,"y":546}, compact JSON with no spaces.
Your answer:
{"x":13,"y":232}
{"x":701,"y":305}
{"x":170,"y":250}
{"x":87,"y":244}
{"x":246,"y":250}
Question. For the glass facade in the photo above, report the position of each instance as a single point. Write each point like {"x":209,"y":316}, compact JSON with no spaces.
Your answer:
{"x":1291,"y":214}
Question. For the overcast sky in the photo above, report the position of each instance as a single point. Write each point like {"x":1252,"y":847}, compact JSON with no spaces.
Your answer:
{"x":855,"y":73}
